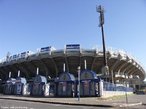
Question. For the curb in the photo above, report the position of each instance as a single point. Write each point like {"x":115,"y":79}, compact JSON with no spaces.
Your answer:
{"x":76,"y":104}
{"x":132,"y":104}
{"x":63,"y":103}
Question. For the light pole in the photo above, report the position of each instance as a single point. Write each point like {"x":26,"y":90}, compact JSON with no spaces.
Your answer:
{"x":79,"y":70}
{"x":105,"y":69}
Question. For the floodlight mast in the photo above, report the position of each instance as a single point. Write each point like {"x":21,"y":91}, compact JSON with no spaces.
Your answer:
{"x":105,"y":68}
{"x":101,"y":22}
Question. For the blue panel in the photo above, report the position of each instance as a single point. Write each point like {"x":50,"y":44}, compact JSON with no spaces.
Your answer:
{"x":24,"y":54}
{"x":45,"y":49}
{"x":15,"y":57}
{"x":73,"y":46}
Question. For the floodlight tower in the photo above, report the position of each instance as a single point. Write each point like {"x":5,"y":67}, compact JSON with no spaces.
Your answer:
{"x":105,"y":69}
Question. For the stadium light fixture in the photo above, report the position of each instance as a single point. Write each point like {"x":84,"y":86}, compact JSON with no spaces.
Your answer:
{"x":101,"y":22}
{"x":100,"y":10}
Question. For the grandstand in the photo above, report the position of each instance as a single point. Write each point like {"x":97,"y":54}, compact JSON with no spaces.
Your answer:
{"x":50,"y":61}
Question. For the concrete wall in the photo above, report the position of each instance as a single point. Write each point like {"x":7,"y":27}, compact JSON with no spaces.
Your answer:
{"x":107,"y":94}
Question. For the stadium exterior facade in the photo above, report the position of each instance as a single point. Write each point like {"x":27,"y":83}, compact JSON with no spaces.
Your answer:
{"x":122,"y":67}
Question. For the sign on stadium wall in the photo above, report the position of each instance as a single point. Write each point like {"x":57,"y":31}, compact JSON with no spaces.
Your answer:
{"x":45,"y":49}
{"x":72,"y":47}
{"x":22,"y":55}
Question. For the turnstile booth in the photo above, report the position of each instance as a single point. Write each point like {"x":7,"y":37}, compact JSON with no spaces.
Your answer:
{"x":38,"y":86}
{"x":9,"y":86}
{"x":19,"y":86}
{"x":66,"y":85}
{"x":89,"y":85}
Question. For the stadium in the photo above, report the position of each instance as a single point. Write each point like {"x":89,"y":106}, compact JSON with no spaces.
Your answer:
{"x":123,"y":68}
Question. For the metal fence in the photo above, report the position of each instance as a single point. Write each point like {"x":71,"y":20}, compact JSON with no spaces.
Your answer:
{"x":113,"y":87}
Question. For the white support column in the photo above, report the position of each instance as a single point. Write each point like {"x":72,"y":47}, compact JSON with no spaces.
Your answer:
{"x":64,"y":67}
{"x":9,"y":74}
{"x":18,"y":73}
{"x":37,"y":73}
{"x":85,"y":64}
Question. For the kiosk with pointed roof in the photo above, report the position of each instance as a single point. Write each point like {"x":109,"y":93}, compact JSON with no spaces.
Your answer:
{"x":9,"y":85}
{"x":38,"y":85}
{"x":19,"y":85}
{"x":66,"y":84}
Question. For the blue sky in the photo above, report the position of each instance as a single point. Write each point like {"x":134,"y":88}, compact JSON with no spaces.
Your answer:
{"x":31,"y":24}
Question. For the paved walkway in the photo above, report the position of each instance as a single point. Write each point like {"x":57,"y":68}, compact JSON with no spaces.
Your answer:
{"x":119,"y":101}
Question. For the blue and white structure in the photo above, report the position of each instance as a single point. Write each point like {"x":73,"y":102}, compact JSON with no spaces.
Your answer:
{"x":90,"y":83}
{"x":66,"y":85}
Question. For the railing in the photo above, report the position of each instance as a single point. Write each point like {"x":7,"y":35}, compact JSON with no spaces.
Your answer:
{"x":112,"y":87}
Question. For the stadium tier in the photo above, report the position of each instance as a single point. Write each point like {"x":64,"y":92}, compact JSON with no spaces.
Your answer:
{"x":50,"y":62}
